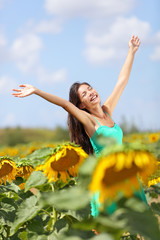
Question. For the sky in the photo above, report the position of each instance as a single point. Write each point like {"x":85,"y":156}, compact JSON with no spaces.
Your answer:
{"x":51,"y":44}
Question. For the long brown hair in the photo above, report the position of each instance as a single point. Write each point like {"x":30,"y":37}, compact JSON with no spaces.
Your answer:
{"x":76,"y":129}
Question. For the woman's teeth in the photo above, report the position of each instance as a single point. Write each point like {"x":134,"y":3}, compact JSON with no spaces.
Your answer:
{"x":93,"y":98}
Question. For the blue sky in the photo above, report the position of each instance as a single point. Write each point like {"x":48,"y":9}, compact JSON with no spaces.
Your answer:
{"x":53,"y":43}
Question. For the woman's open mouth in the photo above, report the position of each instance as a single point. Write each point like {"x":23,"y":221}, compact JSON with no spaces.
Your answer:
{"x":93,"y":98}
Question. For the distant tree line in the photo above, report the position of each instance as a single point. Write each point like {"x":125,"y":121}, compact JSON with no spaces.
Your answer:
{"x":18,"y":135}
{"x":13,"y":136}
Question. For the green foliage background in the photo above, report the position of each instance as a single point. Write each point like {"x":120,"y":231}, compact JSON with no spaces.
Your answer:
{"x":61,"y":211}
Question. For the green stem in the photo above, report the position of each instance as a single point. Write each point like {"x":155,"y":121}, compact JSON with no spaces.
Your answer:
{"x":47,"y":213}
{"x":9,"y":194}
{"x":52,"y":187}
{"x":54,"y":217}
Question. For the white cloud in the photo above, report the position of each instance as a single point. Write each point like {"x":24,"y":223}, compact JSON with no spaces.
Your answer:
{"x":106,"y":40}
{"x":87,"y":8}
{"x":156,"y":54}
{"x":49,"y":26}
{"x":25,"y":51}
{"x":46,"y":77}
{"x":111,"y":44}
{"x":53,"y":26}
{"x":6,"y":84}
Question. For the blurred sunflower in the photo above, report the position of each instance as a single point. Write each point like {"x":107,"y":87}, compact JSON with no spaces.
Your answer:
{"x":153,"y":137}
{"x":153,"y":181}
{"x":117,"y":172}
{"x":24,"y":171}
{"x":64,"y":162}
{"x":154,"y":178}
{"x":7,"y":170}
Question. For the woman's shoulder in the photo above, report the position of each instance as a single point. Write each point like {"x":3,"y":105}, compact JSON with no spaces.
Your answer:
{"x":90,"y":117}
{"x":107,"y":109}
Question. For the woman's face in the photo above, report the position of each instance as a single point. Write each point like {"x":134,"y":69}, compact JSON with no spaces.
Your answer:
{"x":88,"y":96}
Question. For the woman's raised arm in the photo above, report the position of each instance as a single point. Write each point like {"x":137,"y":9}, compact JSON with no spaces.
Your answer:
{"x":27,"y":90}
{"x":112,"y":100}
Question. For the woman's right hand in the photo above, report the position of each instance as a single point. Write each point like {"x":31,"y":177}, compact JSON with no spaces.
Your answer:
{"x":25,"y":91}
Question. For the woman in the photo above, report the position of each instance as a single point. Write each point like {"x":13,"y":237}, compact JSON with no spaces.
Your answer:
{"x":85,"y":112}
{"x":87,"y":118}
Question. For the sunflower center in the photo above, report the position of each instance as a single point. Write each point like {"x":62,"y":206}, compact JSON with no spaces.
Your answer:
{"x":70,"y":159}
{"x":112,"y":177}
{"x":5,"y":169}
{"x":22,"y":171}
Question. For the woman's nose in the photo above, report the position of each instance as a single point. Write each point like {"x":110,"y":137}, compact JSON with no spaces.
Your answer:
{"x":90,"y":93}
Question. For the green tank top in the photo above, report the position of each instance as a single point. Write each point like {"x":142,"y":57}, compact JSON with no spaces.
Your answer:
{"x":116,"y":133}
{"x":112,"y":132}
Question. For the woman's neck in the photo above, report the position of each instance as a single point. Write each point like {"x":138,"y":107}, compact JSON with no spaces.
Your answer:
{"x":97,"y":111}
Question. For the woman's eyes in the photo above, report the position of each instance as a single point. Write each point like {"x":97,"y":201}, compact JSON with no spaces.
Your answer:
{"x":84,"y":93}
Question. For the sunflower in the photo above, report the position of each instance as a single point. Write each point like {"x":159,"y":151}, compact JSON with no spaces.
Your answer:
{"x":24,"y":171}
{"x":153,"y":137}
{"x":64,"y":162}
{"x":154,"y":178}
{"x":7,"y":170}
{"x":153,"y":181}
{"x":117,"y":172}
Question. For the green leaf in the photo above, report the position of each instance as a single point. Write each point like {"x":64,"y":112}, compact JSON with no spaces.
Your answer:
{"x":25,"y":212}
{"x":60,"y":224}
{"x":7,"y":211}
{"x":73,"y":198}
{"x":103,"y":236}
{"x":155,"y":207}
{"x":133,"y":203}
{"x":71,"y":238}
{"x":88,"y":166}
{"x":42,"y":153}
{"x":74,"y":234}
{"x":23,"y":235}
{"x":36,"y":225}
{"x":36,"y":179}
{"x":136,"y":222}
{"x":102,"y":223}
{"x":11,"y":187}
{"x":34,"y":236}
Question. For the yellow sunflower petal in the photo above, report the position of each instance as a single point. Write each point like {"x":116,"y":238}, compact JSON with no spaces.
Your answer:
{"x":24,"y":171}
{"x":121,"y":158}
{"x":67,"y":159}
{"x":120,"y":173}
{"x":138,"y":160}
{"x":7,"y":170}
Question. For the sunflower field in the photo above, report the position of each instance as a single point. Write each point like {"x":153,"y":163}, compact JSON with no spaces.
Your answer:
{"x":50,"y":191}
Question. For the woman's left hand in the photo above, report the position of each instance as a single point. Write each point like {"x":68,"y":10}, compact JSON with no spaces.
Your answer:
{"x":134,"y":44}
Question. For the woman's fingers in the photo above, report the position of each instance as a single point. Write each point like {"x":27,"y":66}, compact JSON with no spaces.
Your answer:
{"x":18,"y":95}
{"x":135,"y":40}
{"x":16,"y":90}
{"x":23,"y":85}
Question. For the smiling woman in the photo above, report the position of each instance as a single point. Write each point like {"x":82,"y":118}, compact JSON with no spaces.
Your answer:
{"x":87,"y":119}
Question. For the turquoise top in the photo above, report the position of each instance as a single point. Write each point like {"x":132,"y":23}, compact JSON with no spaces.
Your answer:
{"x":113,"y":132}
{"x":116,"y":133}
